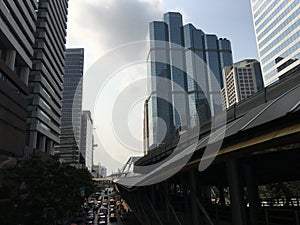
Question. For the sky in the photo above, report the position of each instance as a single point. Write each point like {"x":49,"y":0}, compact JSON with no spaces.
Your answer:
{"x":104,"y":28}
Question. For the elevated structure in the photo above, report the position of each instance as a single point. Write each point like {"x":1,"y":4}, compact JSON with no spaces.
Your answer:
{"x":260,"y":146}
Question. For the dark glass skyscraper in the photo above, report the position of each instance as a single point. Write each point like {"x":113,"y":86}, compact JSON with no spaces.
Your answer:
{"x":72,"y":106}
{"x":200,"y":56}
{"x":46,"y":76}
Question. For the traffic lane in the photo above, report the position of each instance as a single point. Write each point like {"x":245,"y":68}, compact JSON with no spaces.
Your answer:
{"x":132,"y":220}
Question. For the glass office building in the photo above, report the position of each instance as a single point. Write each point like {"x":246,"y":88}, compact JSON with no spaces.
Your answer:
{"x":72,"y":106}
{"x":200,"y":56}
{"x":278,"y":37}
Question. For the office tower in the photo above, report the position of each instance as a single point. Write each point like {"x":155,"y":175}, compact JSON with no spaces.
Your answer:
{"x":202,"y":56}
{"x":276,"y":26}
{"x":87,"y":139}
{"x":206,"y":55}
{"x":241,"y":80}
{"x":46,"y":76}
{"x":68,"y":149}
{"x":17,"y":27}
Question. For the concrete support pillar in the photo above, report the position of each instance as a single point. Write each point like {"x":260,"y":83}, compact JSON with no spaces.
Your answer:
{"x":50,"y":147}
{"x":206,"y":195}
{"x":194,"y":208}
{"x":252,"y":192}
{"x":24,"y":74}
{"x":235,"y":189}
{"x":33,"y":140}
{"x":165,"y":192}
{"x":42,"y":144}
{"x":10,"y":58}
{"x":222,"y":195}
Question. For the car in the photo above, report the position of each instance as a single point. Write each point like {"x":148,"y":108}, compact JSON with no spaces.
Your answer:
{"x":103,"y":210}
{"x":113,"y":217}
{"x":102,"y":216}
{"x":90,"y":217}
{"x":102,"y":222}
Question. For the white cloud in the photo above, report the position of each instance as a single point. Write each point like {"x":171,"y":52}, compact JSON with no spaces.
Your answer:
{"x":100,"y":26}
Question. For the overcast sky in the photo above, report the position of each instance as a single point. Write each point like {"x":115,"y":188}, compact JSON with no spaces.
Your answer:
{"x":100,"y":26}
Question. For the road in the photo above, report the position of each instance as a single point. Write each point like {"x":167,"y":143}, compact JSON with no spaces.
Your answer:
{"x":131,"y":221}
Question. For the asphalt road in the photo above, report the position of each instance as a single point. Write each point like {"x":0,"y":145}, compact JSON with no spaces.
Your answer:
{"x":132,"y":220}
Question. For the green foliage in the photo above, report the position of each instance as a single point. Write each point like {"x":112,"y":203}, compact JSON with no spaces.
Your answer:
{"x":43,"y":192}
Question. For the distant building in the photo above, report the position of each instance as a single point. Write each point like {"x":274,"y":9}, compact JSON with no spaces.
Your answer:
{"x":102,"y":171}
{"x":277,"y":31}
{"x":69,"y":147}
{"x":99,"y":171}
{"x":241,"y":80}
{"x":86,"y":139}
{"x":168,"y":102}
{"x":46,"y":75}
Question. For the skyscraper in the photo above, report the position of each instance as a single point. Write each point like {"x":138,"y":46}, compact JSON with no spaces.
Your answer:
{"x":46,"y":76}
{"x":87,"y":139}
{"x":17,"y":27}
{"x":72,"y":107}
{"x":201,"y":56}
{"x":241,"y":80}
{"x":277,"y":31}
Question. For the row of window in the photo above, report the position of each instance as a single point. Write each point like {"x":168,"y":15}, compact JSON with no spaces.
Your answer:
{"x":276,"y":31}
{"x":274,"y":14}
{"x":279,"y":48}
{"x":267,"y":10}
{"x":273,"y":72}
{"x":257,"y":3}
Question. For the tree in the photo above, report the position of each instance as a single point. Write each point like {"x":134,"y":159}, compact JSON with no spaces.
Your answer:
{"x":43,"y":192}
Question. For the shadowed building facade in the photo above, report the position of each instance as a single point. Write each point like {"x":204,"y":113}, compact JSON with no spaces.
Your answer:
{"x":46,"y":77}
{"x":17,"y":27}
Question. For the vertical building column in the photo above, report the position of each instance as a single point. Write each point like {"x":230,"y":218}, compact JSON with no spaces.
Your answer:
{"x":33,"y":140}
{"x":222,"y":196}
{"x":42,"y":144}
{"x":235,"y":187}
{"x":166,"y":196}
{"x":24,"y":74}
{"x":195,"y":211}
{"x":252,"y":192}
{"x":49,"y":147}
{"x":10,"y":58}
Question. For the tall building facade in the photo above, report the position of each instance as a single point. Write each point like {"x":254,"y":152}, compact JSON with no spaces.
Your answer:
{"x":200,"y":56}
{"x":241,"y":80}
{"x":277,"y":25}
{"x":69,"y":147}
{"x":46,"y":76}
{"x":87,"y":139}
{"x":17,"y":28}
